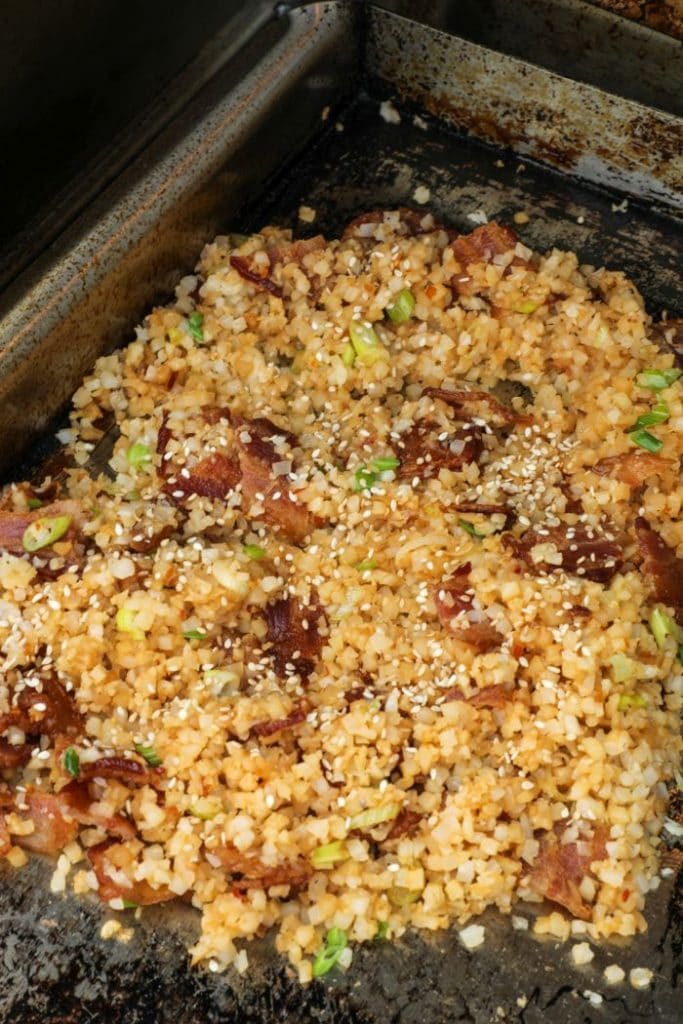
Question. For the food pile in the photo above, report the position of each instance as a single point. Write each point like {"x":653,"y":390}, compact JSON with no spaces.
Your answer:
{"x":375,"y":618}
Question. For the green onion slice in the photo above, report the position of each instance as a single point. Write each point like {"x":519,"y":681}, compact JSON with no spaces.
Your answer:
{"x":663,"y":626}
{"x":644,"y":439}
{"x":386,"y":463}
{"x":526,"y":307}
{"x":658,"y":414}
{"x":367,"y":566}
{"x":125,"y":623}
{"x":470,"y":528}
{"x":195,"y":323}
{"x":224,"y":682}
{"x":374,"y":816}
{"x":328,"y":956}
{"x":382,"y":930}
{"x":401,"y":309}
{"x":364,"y":479}
{"x":367,"y":346}
{"x":657,"y":380}
{"x":631,"y":700}
{"x":194,"y":634}
{"x":254,"y":551}
{"x":399,"y":896}
{"x":72,"y":761}
{"x":623,"y":668}
{"x":330,"y":854}
{"x":44,"y":532}
{"x":348,"y":356}
{"x":205,"y":807}
{"x":129,"y":905}
{"x":150,"y":755}
{"x":34,"y":503}
{"x":138,"y":455}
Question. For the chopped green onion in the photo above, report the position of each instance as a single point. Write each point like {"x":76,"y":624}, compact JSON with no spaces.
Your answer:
{"x":663,"y":626}
{"x":254,"y":551}
{"x":194,"y":634}
{"x":399,"y":896}
{"x":129,"y":905}
{"x":138,"y":454}
{"x":335,"y":944}
{"x":657,"y":380}
{"x":367,"y":566}
{"x":658,"y":414}
{"x":364,"y":479}
{"x":631,"y":700}
{"x":195,"y":323}
{"x":44,"y":532}
{"x":224,"y":681}
{"x":34,"y":503}
{"x":374,"y":816}
{"x":150,"y":755}
{"x":125,"y":623}
{"x":366,"y":344}
{"x":330,"y":854}
{"x":72,"y":761}
{"x":470,"y":528}
{"x":402,"y":307}
{"x":348,"y":356}
{"x":646,"y":440}
{"x":382,"y":929}
{"x":133,"y":496}
{"x":623,"y":668}
{"x":526,"y":307}
{"x":386,"y":463}
{"x":205,"y":807}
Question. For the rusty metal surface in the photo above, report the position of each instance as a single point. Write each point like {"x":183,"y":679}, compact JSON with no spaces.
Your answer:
{"x":575,"y":127}
{"x":663,"y":15}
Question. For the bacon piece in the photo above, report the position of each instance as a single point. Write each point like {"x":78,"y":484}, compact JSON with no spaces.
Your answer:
{"x":125,"y":769}
{"x":632,"y":468}
{"x":410,"y":223}
{"x":213,"y":414}
{"x":270,"y":727}
{"x":53,"y":831}
{"x":257,"y":455}
{"x":106,"y":856}
{"x":494,"y":696}
{"x":661,"y":565}
{"x":560,"y":868}
{"x":403,"y":824}
{"x":466,"y":403}
{"x":163,"y":437}
{"x":294,"y":634}
{"x":488,"y":510}
{"x":585,"y":551}
{"x":14,"y":755}
{"x":254,"y":874}
{"x":480,"y":246}
{"x":423,"y":455}
{"x":256,"y":274}
{"x":50,"y":711}
{"x":294,"y":252}
{"x":454,"y":598}
{"x":150,"y":542}
{"x":76,"y":800}
{"x":13,"y":527}
{"x":214,"y":476}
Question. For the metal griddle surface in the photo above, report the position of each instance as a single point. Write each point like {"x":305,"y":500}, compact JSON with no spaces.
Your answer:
{"x":54,"y":967}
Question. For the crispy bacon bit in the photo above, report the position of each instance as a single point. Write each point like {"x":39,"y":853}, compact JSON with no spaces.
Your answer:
{"x":214,"y":476}
{"x":294,"y":252}
{"x":632,"y":468}
{"x":75,"y":799}
{"x":669,"y":333}
{"x":257,"y":455}
{"x":423,"y":455}
{"x":480,"y":246}
{"x":293,"y":632}
{"x":213,"y":414}
{"x":163,"y":437}
{"x":14,"y":755}
{"x":254,"y":874}
{"x":354,"y":694}
{"x":272,"y":726}
{"x":453,"y":599}
{"x":560,"y":868}
{"x":410,"y":223}
{"x":53,"y":831}
{"x":13,"y":527}
{"x":466,"y":404}
{"x":125,"y":769}
{"x":661,"y":565}
{"x":488,"y":510}
{"x":256,"y":274}
{"x":585,"y":551}
{"x":495,"y":696}
{"x":403,"y":824}
{"x":150,"y":542}
{"x":104,"y":858}
{"x":50,"y":711}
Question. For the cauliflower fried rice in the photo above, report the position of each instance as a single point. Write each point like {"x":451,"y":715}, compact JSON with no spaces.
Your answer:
{"x":372,"y":622}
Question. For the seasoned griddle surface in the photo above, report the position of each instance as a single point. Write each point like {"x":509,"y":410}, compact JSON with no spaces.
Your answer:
{"x":55,"y":968}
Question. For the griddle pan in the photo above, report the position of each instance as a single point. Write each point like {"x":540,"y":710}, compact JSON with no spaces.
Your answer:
{"x":292,"y":118}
